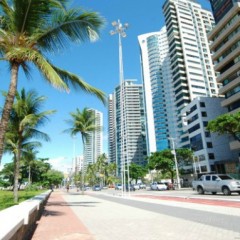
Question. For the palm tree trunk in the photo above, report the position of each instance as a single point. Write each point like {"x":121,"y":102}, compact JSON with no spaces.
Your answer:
{"x":8,"y":105}
{"x":16,"y":171}
{"x":29,"y":175}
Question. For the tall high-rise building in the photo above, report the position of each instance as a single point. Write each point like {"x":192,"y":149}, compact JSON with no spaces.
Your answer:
{"x":225,"y":45}
{"x":94,"y":145}
{"x":127,"y":136}
{"x":193,"y":72}
{"x":111,"y":129}
{"x":158,"y":90}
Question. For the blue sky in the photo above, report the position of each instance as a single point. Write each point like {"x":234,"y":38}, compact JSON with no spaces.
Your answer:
{"x":97,"y":63}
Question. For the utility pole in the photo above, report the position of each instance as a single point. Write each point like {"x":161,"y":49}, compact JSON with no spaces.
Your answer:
{"x":175,"y":160}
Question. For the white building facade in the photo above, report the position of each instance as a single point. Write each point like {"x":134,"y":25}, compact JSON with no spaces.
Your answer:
{"x":211,"y":150}
{"x":127,"y":138}
{"x":193,"y":72}
{"x":94,"y":145}
{"x":158,"y":90}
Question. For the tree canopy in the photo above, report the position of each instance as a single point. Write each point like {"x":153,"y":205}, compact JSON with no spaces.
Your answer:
{"x":226,"y":124}
{"x":164,"y":160}
{"x":137,"y":171}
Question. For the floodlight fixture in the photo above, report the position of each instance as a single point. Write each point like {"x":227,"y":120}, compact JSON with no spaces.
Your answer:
{"x":112,"y":32}
{"x":114,"y":23}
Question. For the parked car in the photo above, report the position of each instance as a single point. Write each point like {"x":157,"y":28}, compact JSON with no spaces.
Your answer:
{"x":170,"y":186}
{"x":158,"y":186}
{"x":118,"y":186}
{"x":96,"y":188}
{"x":216,"y":183}
{"x":131,"y":187}
{"x":136,"y":186}
{"x":142,"y":186}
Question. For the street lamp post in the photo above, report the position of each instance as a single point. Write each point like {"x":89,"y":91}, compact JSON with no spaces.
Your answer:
{"x":176,"y":164}
{"x":119,"y":29}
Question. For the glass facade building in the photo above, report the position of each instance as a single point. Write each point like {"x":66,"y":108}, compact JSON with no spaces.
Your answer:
{"x":158,"y":90}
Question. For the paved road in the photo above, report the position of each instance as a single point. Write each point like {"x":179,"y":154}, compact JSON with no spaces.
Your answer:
{"x":113,"y":217}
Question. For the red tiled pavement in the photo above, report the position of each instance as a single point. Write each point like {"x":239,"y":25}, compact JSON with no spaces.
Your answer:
{"x":215,"y":202}
{"x":59,"y":222}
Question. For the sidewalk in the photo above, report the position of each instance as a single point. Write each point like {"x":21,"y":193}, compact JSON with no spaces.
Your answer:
{"x":59,"y":222}
{"x":72,"y":216}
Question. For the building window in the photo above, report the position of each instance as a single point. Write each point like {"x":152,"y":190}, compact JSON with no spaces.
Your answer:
{"x":207,"y":134}
{"x":205,"y":123}
{"x":211,"y":156}
{"x":194,"y":128}
{"x":204,"y":114}
{"x":202,"y":104}
{"x":204,"y":169}
{"x":196,"y":142}
{"x":209,"y":145}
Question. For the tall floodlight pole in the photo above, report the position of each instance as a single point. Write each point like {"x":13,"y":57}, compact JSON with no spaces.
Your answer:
{"x":176,"y":163}
{"x":119,"y":29}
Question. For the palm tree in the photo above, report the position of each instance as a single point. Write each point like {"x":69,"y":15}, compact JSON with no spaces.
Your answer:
{"x":30,"y":29}
{"x":111,"y":173}
{"x":91,"y":174}
{"x":83,"y":123}
{"x":102,"y":166}
{"x":29,"y":158}
{"x":25,"y":118}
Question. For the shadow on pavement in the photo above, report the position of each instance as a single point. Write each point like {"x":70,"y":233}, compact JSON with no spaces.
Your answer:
{"x":69,"y":204}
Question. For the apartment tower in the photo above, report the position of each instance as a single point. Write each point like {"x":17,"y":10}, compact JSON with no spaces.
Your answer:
{"x":158,"y":90}
{"x":94,"y":145}
{"x":225,"y":45}
{"x":127,"y":136}
{"x":193,"y":72}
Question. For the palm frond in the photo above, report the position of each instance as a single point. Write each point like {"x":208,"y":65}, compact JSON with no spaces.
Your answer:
{"x":26,"y":70}
{"x":30,"y":15}
{"x":76,"y":82}
{"x":6,"y":13}
{"x":35,"y":133}
{"x":59,"y":4}
{"x":46,"y":69}
{"x":71,"y":26}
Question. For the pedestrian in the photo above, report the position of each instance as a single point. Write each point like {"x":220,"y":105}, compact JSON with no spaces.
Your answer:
{"x":67,"y":187}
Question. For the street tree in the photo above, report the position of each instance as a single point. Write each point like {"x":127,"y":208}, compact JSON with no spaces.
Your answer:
{"x":52,"y":177}
{"x":111,"y":173}
{"x":91,"y":174}
{"x":29,"y":157}
{"x":83,"y":123}
{"x":29,"y":31}
{"x":7,"y":174}
{"x":25,"y":120}
{"x":101,"y":167}
{"x":226,"y":124}
{"x":137,"y":172}
{"x":164,"y":160}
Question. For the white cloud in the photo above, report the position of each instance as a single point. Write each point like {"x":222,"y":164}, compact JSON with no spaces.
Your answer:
{"x":62,"y":164}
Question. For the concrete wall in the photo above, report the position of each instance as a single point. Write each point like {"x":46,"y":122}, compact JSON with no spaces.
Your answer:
{"x":19,"y":222}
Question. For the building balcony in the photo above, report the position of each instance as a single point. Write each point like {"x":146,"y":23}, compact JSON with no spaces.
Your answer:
{"x":225,"y":47}
{"x":228,"y":73}
{"x":230,"y":100}
{"x":229,"y":86}
{"x":223,"y":62}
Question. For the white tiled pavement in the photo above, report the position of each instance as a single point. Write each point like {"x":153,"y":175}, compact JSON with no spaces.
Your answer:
{"x":107,"y":220}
